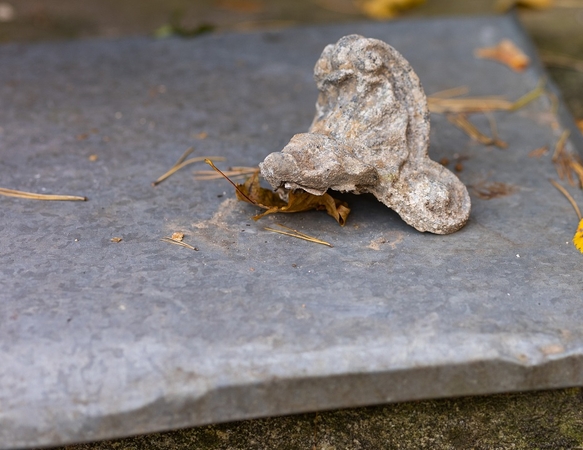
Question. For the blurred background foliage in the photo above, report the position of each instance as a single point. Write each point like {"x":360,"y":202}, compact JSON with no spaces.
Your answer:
{"x":554,"y":25}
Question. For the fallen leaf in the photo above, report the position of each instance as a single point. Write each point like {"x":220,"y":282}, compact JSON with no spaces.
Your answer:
{"x":177,"y":236}
{"x":93,"y":158}
{"x":507,"y":53}
{"x":297,"y":201}
{"x":580,"y":124}
{"x":493,"y":189}
{"x":538,"y":152}
{"x":116,"y":239}
{"x":386,"y":9}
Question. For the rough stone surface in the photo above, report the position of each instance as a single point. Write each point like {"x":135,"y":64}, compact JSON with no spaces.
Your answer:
{"x":371,"y":135}
{"x":101,"y":339}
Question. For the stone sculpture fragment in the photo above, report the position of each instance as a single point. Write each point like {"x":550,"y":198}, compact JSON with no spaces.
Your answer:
{"x":371,"y":135}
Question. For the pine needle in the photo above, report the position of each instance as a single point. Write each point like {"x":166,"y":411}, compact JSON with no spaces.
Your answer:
{"x":234,"y":172}
{"x":183,"y":162}
{"x":452,"y":92}
{"x":298,"y":234}
{"x":564,"y":191}
{"x":34,"y":196}
{"x":468,"y":104}
{"x":461,"y":121}
{"x":562,"y":61}
{"x":177,"y":242}
{"x":567,"y":164}
{"x":439,"y":104}
{"x":530,"y":96}
{"x":210,"y":163}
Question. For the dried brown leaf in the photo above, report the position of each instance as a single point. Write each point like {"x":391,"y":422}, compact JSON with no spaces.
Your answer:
{"x":507,"y":53}
{"x":177,"y":236}
{"x":297,"y":201}
{"x":386,"y":9}
{"x":493,"y":189}
{"x":538,"y":152}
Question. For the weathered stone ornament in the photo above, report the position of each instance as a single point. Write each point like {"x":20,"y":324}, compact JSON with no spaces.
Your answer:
{"x":370,"y":134}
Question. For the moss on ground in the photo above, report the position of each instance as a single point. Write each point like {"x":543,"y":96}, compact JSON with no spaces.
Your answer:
{"x":546,"y":420}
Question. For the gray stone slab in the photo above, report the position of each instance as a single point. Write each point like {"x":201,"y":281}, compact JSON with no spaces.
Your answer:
{"x":102,"y":339}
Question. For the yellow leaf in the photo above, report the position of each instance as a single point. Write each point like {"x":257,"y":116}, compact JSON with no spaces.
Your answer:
{"x":578,"y":238}
{"x":386,"y":9}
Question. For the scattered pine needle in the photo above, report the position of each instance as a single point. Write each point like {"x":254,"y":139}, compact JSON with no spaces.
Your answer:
{"x":530,"y":96}
{"x":452,"y":92}
{"x":442,"y":105}
{"x":494,"y":128}
{"x":578,"y":237}
{"x":468,"y":104}
{"x":568,"y":196}
{"x":33,"y":196}
{"x":298,"y":234}
{"x":234,"y":172}
{"x":461,"y":121}
{"x":183,"y":162}
{"x":562,"y":61}
{"x":240,"y":191}
{"x":566,"y":163}
{"x":171,"y":240}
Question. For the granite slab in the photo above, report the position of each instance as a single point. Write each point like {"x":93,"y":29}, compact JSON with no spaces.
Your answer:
{"x":101,"y":339}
